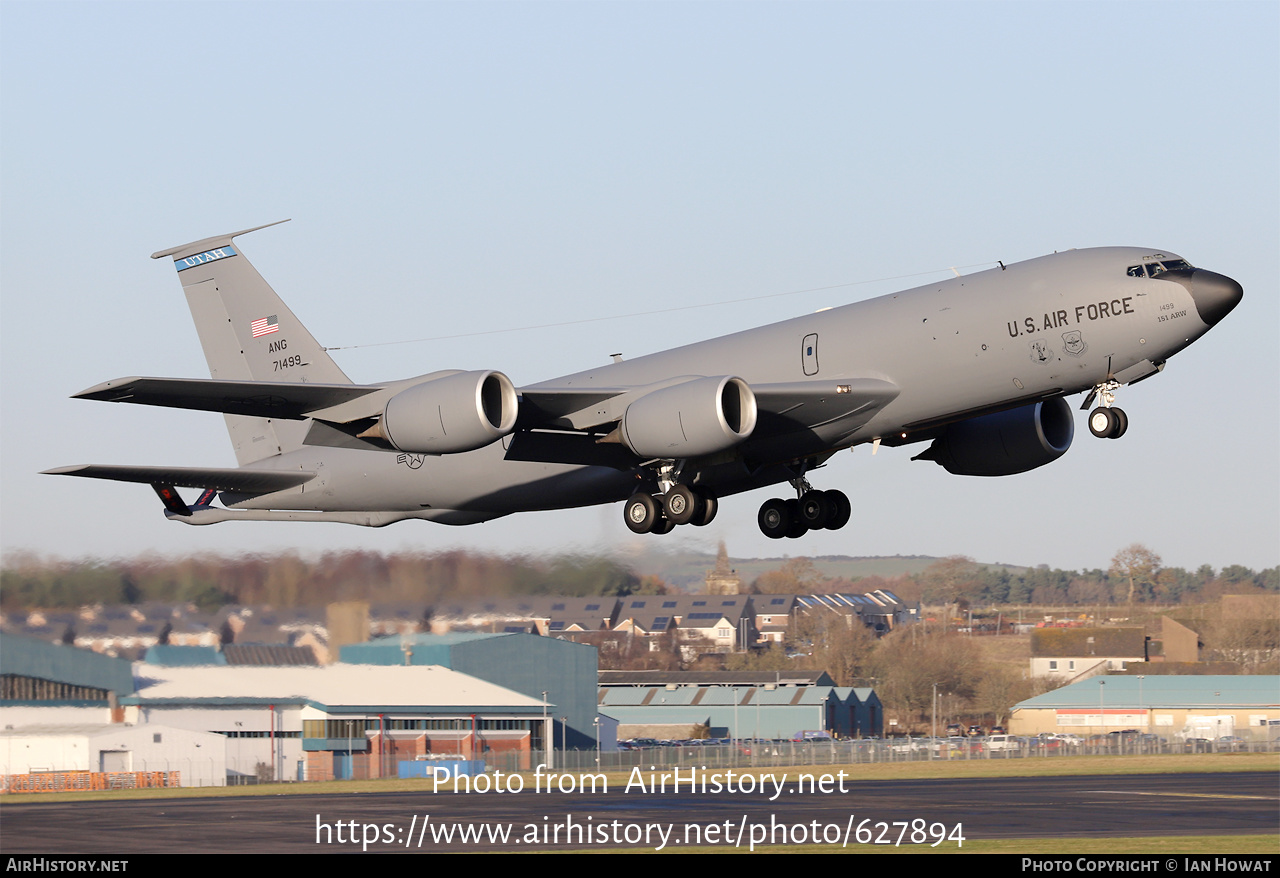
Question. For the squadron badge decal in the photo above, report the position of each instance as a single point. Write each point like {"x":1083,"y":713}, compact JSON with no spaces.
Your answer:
{"x":1073,"y":343}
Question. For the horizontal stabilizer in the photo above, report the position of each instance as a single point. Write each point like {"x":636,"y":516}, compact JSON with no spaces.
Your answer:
{"x":264,"y":399}
{"x":184,"y":250}
{"x":241,"y":480}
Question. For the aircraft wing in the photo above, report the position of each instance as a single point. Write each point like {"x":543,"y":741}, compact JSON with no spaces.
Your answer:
{"x":221,"y":479}
{"x":803,"y":403}
{"x":811,"y":404}
{"x":565,"y":425}
{"x":265,"y":399}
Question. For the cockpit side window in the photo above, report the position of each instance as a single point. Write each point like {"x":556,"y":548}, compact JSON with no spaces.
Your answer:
{"x":1155,"y":269}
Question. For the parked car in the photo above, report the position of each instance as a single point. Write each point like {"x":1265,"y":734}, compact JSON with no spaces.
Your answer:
{"x":812,"y":736}
{"x":1005,"y":744}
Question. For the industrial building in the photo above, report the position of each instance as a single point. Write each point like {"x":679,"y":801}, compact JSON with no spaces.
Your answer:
{"x":548,"y":669}
{"x":1171,"y":707}
{"x":343,"y":721}
{"x":736,"y":704}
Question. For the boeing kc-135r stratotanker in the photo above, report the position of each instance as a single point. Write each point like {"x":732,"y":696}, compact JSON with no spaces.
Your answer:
{"x":978,"y":366}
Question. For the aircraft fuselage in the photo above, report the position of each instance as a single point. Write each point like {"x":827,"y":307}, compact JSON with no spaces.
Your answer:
{"x":1052,"y":326}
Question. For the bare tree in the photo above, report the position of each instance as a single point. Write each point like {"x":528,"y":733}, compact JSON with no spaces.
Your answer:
{"x":1137,"y":565}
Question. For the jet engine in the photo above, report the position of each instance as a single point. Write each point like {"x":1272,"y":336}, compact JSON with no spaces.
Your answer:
{"x":695,"y":418}
{"x":460,"y":412}
{"x":1005,"y":443}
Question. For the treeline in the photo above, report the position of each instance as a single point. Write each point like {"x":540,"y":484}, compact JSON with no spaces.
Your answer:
{"x":284,"y":580}
{"x":289,"y":579}
{"x":1136,"y":575}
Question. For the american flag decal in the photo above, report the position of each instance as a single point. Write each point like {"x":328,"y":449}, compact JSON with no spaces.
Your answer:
{"x":265,"y":326}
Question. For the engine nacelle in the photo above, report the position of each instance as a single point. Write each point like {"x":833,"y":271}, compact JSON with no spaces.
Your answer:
{"x":460,"y":412}
{"x":698,"y":417}
{"x":1005,"y":443}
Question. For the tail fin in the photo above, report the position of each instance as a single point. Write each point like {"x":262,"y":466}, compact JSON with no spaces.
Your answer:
{"x":249,"y":334}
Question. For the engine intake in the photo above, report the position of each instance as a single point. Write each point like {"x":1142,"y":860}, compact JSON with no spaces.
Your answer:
{"x":692,"y":419}
{"x":460,"y":412}
{"x":1005,"y":443}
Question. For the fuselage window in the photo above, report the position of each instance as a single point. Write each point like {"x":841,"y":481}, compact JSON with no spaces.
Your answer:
{"x":1137,"y":271}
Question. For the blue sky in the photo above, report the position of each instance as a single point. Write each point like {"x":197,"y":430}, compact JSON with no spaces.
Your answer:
{"x":459,"y":168}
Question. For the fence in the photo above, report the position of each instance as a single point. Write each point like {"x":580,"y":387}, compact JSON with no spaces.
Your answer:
{"x":66,"y":781}
{"x":748,"y":754}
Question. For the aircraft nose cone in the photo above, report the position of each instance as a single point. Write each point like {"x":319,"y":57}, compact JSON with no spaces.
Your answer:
{"x":1214,"y":294}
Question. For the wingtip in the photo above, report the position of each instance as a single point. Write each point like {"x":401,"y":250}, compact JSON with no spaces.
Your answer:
{"x":64,"y":470}
{"x":103,"y":390}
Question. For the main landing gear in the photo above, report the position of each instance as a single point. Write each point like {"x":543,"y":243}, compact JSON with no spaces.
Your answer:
{"x":812,"y":510}
{"x":1107,"y":421}
{"x":681,"y":504}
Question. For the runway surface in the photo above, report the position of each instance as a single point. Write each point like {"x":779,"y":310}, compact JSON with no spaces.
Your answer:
{"x":867,"y":812}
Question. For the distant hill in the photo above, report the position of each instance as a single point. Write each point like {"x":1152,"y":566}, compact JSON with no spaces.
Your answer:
{"x":687,"y":570}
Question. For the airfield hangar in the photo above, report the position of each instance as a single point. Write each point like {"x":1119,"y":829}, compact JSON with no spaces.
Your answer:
{"x":1172,"y":707}
{"x":398,"y":702}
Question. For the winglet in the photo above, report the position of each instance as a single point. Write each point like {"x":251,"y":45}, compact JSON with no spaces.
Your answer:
{"x":208,"y":243}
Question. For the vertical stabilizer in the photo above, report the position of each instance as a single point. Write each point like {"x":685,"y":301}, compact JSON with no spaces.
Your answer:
{"x":248,"y":333}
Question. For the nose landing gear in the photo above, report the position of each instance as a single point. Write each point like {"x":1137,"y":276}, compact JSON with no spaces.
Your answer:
{"x":1107,"y":421}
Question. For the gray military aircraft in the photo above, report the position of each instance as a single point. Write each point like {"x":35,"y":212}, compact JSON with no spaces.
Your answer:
{"x":978,"y":366}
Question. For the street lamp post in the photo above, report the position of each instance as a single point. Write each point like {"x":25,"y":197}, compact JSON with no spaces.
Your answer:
{"x":1102,"y":709}
{"x":546,"y":732}
{"x":933,"y":727}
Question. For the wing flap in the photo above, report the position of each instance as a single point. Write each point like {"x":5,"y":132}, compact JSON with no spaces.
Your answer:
{"x":221,"y":479}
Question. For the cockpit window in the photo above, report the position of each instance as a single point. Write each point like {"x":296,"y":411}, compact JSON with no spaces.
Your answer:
{"x":1155,"y":269}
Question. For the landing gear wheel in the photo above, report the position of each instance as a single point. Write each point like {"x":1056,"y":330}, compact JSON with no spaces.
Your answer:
{"x":680,"y":504}
{"x":842,"y":510}
{"x":797,"y":528}
{"x":1122,"y":422}
{"x":1102,"y":423}
{"x":663,"y":525}
{"x":710,"y":505}
{"x":774,"y":519}
{"x":816,"y":509}
{"x":641,"y":513}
